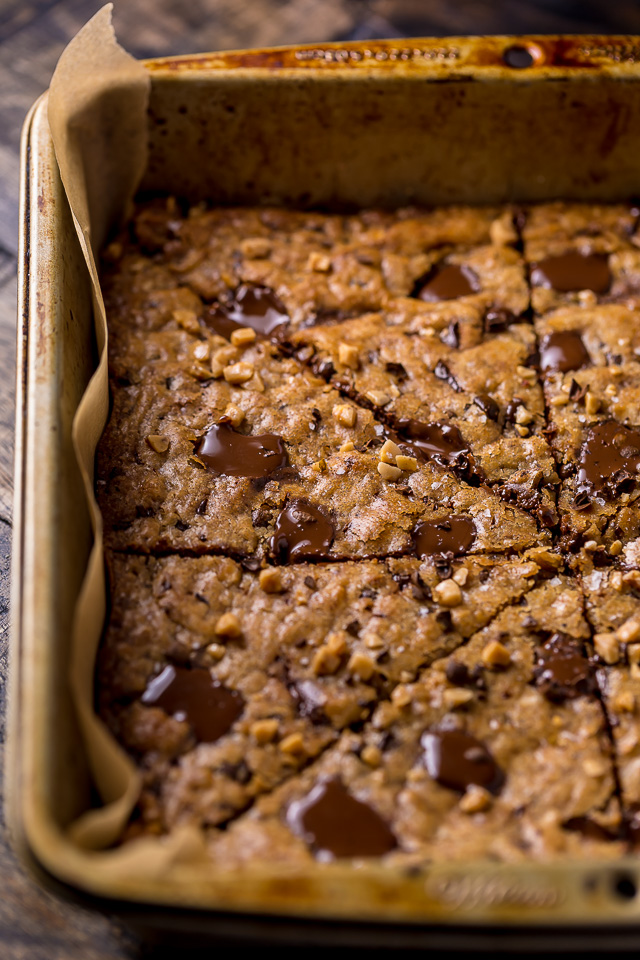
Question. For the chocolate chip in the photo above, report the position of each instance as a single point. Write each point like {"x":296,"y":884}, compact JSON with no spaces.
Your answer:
{"x":337,"y":825}
{"x":302,"y":532}
{"x":488,"y":406}
{"x":442,"y":372}
{"x":228,"y":453}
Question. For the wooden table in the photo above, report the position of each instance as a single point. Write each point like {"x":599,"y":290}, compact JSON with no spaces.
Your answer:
{"x":33,"y":924}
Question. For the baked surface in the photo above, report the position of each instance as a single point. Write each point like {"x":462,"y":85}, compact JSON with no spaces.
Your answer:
{"x":370,"y":489}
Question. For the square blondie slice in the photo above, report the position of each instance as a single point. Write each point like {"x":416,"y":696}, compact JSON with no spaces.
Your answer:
{"x":498,"y":751}
{"x":468,"y":374}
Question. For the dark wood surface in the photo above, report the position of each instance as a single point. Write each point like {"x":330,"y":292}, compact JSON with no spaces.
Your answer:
{"x":33,"y":924}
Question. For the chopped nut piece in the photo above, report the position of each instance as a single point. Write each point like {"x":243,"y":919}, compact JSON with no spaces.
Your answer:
{"x":387,"y":472}
{"x":523,"y":416}
{"x":371,"y":755}
{"x":319,"y":466}
{"x":238,"y":372}
{"x":615,"y":548}
{"x":348,"y":356}
{"x":401,"y":696}
{"x":495,"y":654}
{"x":475,"y":800}
{"x":228,"y":625}
{"x":255,"y":248}
{"x":346,"y":447}
{"x":594,"y":767}
{"x":502,"y":231}
{"x":319,"y":262}
{"x":264,"y":731}
{"x":389,"y":451}
{"x":221,"y":358}
{"x":255,"y":383}
{"x":591,"y":545}
{"x":270,"y":580}
{"x":292,"y":744}
{"x":561,"y":400}
{"x":378,"y":398}
{"x":522,"y":431}
{"x":448,"y":593}
{"x":616,"y":581}
{"x":625,"y":702}
{"x":607,"y":646}
{"x":327,"y":659}
{"x":216,"y":651}
{"x":633,"y":653}
{"x":527,"y":373}
{"x":611,"y":390}
{"x":629,"y":631}
{"x":632,"y":578}
{"x":591,"y":403}
{"x":201,"y":350}
{"x":243,"y":336}
{"x":158,"y":443}
{"x":373,"y":642}
{"x":361,"y":664}
{"x":188,"y":320}
{"x":199,"y":371}
{"x":457,"y":697}
{"x":235,"y":414}
{"x":545,"y":558}
{"x":461,"y":576}
{"x":406,"y":463}
{"x":345,"y":414}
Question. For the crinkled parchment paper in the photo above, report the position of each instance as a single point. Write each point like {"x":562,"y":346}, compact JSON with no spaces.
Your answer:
{"x":98,"y":118}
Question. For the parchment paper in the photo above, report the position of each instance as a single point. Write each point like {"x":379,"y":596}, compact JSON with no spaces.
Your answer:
{"x":98,"y":117}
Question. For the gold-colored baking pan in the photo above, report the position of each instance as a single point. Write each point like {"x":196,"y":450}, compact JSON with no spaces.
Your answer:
{"x":387,"y":122}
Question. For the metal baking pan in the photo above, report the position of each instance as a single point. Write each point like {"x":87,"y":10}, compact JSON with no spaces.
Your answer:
{"x":381,"y":123}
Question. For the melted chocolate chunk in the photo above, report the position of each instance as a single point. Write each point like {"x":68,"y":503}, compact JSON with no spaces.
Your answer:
{"x":434,"y":441}
{"x":454,"y":535}
{"x":218,"y":320}
{"x":302,"y":532}
{"x":336,"y":824}
{"x":227,"y":453}
{"x":253,"y":306}
{"x":563,"y":672}
{"x":456,"y":760}
{"x":573,"y":271}
{"x":563,"y":351}
{"x":448,"y":283}
{"x":192,"y":695}
{"x":609,"y":459}
{"x":488,"y":406}
{"x":258,"y":308}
